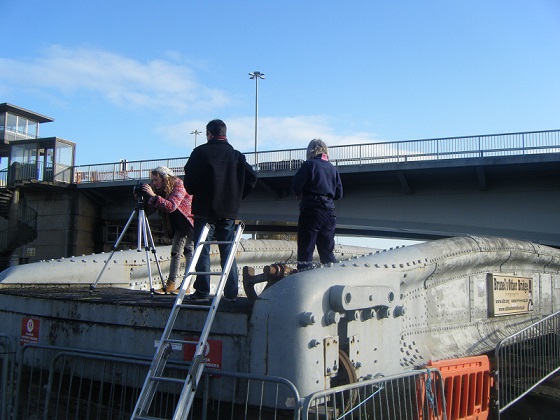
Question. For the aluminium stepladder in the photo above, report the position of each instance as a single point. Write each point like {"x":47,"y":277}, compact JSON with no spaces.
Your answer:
{"x":164,"y":349}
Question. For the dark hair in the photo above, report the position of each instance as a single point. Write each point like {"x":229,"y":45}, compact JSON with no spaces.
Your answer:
{"x":217,"y":128}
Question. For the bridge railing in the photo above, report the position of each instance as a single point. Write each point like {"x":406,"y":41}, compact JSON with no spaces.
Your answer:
{"x":125,"y":170}
{"x":483,"y":146}
{"x":447,"y":148}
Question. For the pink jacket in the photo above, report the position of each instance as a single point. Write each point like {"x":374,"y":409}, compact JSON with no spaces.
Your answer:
{"x":179,"y":199}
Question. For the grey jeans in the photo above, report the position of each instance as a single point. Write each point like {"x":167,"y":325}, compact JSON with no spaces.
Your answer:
{"x":182,"y":245}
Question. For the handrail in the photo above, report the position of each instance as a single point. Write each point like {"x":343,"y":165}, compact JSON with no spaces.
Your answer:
{"x":482,"y":146}
{"x":26,"y":216}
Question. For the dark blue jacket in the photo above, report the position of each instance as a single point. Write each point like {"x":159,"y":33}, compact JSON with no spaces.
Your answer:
{"x":317,"y":183}
{"x":218,"y":177}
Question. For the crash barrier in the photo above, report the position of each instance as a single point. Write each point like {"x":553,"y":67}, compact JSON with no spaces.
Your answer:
{"x":61,"y":383}
{"x":7,"y":359}
{"x":526,"y":359}
{"x":410,"y":395}
{"x":467,"y":383}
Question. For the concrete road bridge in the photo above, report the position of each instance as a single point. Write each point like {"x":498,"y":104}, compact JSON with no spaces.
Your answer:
{"x":505,"y":185}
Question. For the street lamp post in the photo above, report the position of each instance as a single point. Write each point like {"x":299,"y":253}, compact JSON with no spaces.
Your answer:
{"x":196,"y":133}
{"x":256,"y":75}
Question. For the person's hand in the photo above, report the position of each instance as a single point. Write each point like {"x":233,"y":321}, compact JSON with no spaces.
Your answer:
{"x":148,"y":190}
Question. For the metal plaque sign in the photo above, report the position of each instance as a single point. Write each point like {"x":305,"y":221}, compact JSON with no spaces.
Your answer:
{"x":29,"y":331}
{"x":509,"y":295}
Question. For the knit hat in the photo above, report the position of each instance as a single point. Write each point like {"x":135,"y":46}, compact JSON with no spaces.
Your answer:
{"x":163,"y":171}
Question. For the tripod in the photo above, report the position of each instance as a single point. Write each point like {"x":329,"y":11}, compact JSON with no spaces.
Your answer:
{"x":145,"y":235}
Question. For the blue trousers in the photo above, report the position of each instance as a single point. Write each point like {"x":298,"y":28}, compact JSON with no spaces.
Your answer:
{"x":220,"y":230}
{"x":316,"y":228}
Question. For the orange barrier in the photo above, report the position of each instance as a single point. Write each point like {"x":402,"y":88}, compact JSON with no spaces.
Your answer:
{"x":467,"y":383}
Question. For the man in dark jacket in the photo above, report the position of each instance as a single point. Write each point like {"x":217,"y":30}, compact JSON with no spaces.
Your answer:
{"x":317,"y":184}
{"x":218,"y":177}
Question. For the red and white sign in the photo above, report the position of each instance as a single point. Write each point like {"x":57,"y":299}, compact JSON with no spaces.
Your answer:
{"x":212,"y":352}
{"x":29,"y":331}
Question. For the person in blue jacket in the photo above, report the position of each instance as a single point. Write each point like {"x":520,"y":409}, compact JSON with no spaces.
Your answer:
{"x":317,"y":185}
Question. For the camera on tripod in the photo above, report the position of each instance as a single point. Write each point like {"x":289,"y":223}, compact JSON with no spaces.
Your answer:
{"x":144,"y":235}
{"x":140,"y":193}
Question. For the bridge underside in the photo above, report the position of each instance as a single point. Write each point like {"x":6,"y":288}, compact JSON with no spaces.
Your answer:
{"x":505,"y":197}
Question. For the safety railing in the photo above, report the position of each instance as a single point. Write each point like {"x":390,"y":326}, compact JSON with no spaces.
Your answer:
{"x":7,"y":363}
{"x":23,"y":231}
{"x":62,"y":383}
{"x":11,"y":134}
{"x":491,"y":145}
{"x":125,"y":170}
{"x":37,"y":171}
{"x":410,"y":395}
{"x":526,"y":359}
{"x":483,"y":146}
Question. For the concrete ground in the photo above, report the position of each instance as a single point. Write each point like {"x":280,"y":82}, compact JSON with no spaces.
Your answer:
{"x":541,"y":404}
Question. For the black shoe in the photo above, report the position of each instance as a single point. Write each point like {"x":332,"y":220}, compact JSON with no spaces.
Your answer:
{"x":230,"y":299}
{"x":197,"y":297}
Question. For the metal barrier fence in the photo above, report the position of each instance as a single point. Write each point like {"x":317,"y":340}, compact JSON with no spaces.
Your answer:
{"x":60,"y":383}
{"x":411,"y":395}
{"x":492,"y":145}
{"x":7,"y":363}
{"x":526,"y":359}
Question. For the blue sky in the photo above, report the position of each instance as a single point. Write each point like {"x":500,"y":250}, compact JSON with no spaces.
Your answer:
{"x":132,"y":79}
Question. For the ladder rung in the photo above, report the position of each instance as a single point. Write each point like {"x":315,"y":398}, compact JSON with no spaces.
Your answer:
{"x":209,"y":273}
{"x":193,"y":306}
{"x":217,"y":242}
{"x":176,"y":341}
{"x":167,"y":379}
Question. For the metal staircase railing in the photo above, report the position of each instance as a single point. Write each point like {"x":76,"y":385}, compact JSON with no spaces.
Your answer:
{"x":22,"y":232}
{"x":526,"y":359}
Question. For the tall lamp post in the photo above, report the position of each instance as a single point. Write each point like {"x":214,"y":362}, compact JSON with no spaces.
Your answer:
{"x":196,"y":133}
{"x":256,"y":75}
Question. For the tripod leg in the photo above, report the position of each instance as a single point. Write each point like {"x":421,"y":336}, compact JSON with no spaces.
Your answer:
{"x":153,"y":249}
{"x":142,"y":230}
{"x":115,"y":246}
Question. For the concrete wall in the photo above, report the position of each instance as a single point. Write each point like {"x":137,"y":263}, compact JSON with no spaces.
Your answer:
{"x":68,"y":224}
